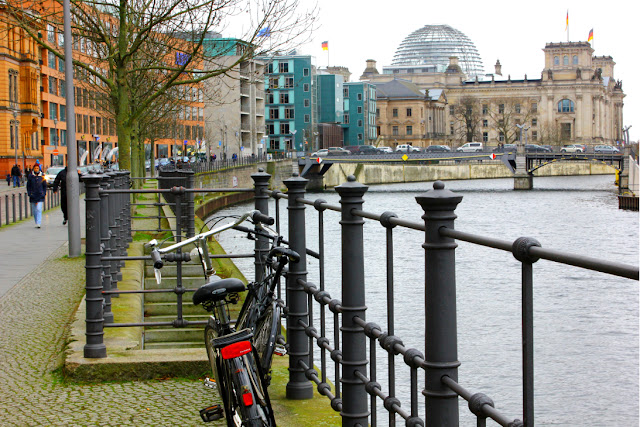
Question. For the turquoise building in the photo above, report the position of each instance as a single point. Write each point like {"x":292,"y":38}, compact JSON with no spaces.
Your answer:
{"x":290,"y":100}
{"x":359,"y":117}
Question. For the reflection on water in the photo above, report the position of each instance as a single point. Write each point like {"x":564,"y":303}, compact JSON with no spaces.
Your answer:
{"x":585,"y":323}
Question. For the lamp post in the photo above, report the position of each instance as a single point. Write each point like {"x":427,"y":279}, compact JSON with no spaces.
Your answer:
{"x":15,"y":137}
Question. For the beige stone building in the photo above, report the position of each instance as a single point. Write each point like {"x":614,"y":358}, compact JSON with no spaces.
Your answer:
{"x":576,"y":99}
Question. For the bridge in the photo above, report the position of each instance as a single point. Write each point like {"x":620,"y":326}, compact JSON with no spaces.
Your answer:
{"x":521,"y":165}
{"x":435,"y":384}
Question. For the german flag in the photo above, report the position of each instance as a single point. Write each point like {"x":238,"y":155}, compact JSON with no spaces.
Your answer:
{"x":325,"y":45}
{"x":590,"y":38}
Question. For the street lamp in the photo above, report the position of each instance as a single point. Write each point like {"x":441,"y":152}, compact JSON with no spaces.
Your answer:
{"x":15,"y":142}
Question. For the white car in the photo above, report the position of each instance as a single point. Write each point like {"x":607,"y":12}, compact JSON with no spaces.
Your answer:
{"x":407,"y":148}
{"x":470,"y":147}
{"x":320,"y":153}
{"x":571,"y":148}
{"x":385,"y":149}
{"x":51,"y":173}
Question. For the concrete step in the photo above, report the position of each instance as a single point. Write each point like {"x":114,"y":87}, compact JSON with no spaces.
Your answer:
{"x":169,"y":309}
{"x":188,"y":282}
{"x":172,"y":345}
{"x":170,"y":270}
{"x":172,"y":317}
{"x":168,"y":297}
{"x":173,"y":335}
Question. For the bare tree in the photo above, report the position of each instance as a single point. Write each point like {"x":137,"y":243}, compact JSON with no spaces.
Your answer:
{"x":467,"y":114}
{"x":505,"y":113}
{"x":123,"y":43}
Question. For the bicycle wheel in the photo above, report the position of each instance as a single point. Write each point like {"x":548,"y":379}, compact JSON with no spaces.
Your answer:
{"x":249,"y":401}
{"x":264,"y":337}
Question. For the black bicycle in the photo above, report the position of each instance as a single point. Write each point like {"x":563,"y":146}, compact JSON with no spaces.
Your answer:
{"x":234,"y":349}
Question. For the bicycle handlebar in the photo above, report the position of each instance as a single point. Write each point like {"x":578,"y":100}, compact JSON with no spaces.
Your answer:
{"x":292,"y":255}
{"x":258,"y":216}
{"x":157,"y":260}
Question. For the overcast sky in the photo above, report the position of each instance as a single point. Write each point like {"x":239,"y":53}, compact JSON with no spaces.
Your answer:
{"x":514,"y":32}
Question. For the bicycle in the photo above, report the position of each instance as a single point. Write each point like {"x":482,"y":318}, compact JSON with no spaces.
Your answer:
{"x":234,"y":350}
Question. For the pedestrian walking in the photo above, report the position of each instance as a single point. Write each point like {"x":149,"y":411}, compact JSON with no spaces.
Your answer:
{"x":37,"y":190}
{"x":9,"y":179}
{"x":61,"y":181}
{"x":16,"y":174}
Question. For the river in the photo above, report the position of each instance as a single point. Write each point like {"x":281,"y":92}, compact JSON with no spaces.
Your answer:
{"x":585,"y":323}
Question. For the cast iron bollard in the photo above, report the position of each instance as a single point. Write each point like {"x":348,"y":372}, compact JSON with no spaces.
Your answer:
{"x":261,"y":203}
{"x":113,"y":200}
{"x":105,"y":237}
{"x":441,"y":334}
{"x":94,"y":348}
{"x":13,"y":206}
{"x":355,"y":410}
{"x":20,"y":204}
{"x":298,"y":386}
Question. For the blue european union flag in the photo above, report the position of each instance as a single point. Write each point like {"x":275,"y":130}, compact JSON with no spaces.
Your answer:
{"x":182,"y":58}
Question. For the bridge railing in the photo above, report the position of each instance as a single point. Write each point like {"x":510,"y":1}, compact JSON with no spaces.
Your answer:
{"x":353,"y":344}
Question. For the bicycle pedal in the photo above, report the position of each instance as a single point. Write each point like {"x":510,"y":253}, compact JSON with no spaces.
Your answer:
{"x":279,"y":350}
{"x":212,"y":413}
{"x":209,"y":383}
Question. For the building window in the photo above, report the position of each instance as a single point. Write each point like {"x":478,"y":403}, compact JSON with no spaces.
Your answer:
{"x":305,"y":87}
{"x":534,"y":107}
{"x":52,"y":60}
{"x":270,"y":98}
{"x":359,"y":97}
{"x":565,"y":106}
{"x":485,"y":123}
{"x":452,"y":110}
{"x":274,"y":113}
{"x":534,"y":135}
{"x":485,"y":109}
{"x":359,"y":109}
{"x":409,"y":130}
{"x":273,"y":82}
{"x":501,"y":109}
{"x":556,"y":60}
{"x":274,"y":144}
{"x":305,"y":72}
{"x":289,"y":113}
{"x":307,"y":118}
{"x":53,"y":111}
{"x":284,"y":98}
{"x":284,"y":129}
{"x":565,"y":131}
{"x":408,"y":112}
{"x":395,"y":112}
{"x":345,"y":92}
{"x":359,"y":123}
{"x":501,"y":137}
{"x":518,"y":109}
{"x":359,"y":137}
{"x":394,"y":131}
{"x":345,"y":118}
{"x":575,"y":59}
{"x":283,"y":67}
{"x":270,"y":68}
{"x":534,"y":122}
{"x":565,"y":60}
{"x":288,"y":82}
{"x":63,"y":113}
{"x":63,"y":89}
{"x":377,"y":112}
{"x":63,"y":138}
{"x":485,"y":136}
{"x":307,"y":102}
{"x":51,"y":33}
{"x":270,"y":129}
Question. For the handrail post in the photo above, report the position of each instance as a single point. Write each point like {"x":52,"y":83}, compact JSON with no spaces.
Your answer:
{"x":298,"y":386}
{"x":441,"y":335}
{"x":261,"y":203}
{"x":105,"y":237}
{"x":355,"y":410}
{"x":94,"y":347}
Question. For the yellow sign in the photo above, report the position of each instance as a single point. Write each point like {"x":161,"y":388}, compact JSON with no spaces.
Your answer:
{"x":405,"y":157}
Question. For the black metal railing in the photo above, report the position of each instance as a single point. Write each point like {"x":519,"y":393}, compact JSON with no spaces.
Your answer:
{"x":343,"y":335}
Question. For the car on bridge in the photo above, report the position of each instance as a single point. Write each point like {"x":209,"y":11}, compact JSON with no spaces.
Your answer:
{"x":572,"y":148}
{"x":362,"y":149}
{"x":506,"y":148}
{"x":407,"y":148}
{"x":470,"y":147}
{"x":437,"y":149}
{"x":385,"y":150}
{"x":320,"y":153}
{"x":338,"y":151}
{"x":535,"y":148}
{"x":605,"y":149}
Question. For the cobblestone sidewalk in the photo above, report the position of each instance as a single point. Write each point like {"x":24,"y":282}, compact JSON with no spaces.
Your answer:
{"x":34,"y":316}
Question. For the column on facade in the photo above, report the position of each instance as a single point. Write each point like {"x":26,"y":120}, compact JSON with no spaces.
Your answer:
{"x":579,"y":133}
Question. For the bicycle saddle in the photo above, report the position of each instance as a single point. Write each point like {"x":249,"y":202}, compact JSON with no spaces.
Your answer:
{"x":218,"y":290}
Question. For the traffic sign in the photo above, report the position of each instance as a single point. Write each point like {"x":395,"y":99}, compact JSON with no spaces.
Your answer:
{"x":405,"y":157}
{"x":55,"y":152}
{"x":185,"y":142}
{"x":493,"y":156}
{"x":319,"y":160}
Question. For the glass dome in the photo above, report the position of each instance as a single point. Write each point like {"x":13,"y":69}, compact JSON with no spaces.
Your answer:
{"x":432,"y":45}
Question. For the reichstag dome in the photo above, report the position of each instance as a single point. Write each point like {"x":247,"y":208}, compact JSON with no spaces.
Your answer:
{"x":432,"y":45}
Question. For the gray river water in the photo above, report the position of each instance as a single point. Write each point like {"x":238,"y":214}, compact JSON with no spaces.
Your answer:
{"x":585,"y":323}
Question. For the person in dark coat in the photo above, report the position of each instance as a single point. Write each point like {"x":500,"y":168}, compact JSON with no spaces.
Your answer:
{"x":15,"y":175}
{"x":37,"y":190}
{"x":61,"y":181}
